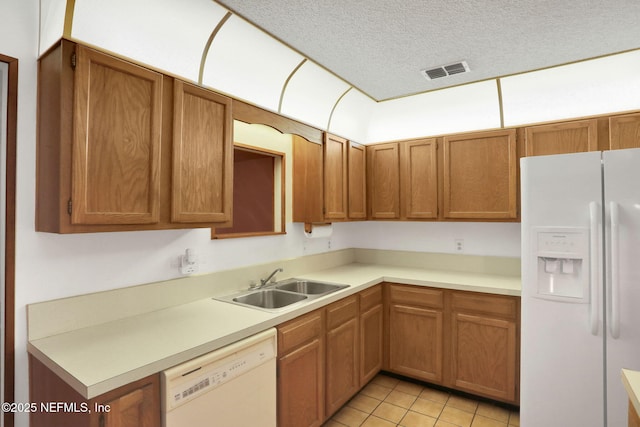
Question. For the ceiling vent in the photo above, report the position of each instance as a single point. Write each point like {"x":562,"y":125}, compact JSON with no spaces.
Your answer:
{"x":446,"y":70}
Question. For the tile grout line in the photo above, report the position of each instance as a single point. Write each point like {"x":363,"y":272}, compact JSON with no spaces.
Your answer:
{"x":370,"y":413}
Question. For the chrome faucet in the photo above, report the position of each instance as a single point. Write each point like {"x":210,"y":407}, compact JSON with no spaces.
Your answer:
{"x":264,"y":282}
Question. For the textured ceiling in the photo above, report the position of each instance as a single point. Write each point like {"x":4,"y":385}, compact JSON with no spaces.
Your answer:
{"x":380,"y":46}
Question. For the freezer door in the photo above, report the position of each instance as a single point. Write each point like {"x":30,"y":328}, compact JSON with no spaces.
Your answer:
{"x":622,"y":220}
{"x":562,"y":370}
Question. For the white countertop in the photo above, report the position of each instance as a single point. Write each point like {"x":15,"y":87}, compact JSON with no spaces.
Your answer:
{"x":631,"y":381}
{"x":100,"y":358}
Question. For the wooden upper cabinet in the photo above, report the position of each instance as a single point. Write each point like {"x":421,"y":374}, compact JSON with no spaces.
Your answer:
{"x":116,"y":141}
{"x":480,"y":178}
{"x":335,"y":177}
{"x":124,"y":148}
{"x":419,"y":179}
{"x":383,"y":166}
{"x":357,"y":159}
{"x":561,"y":138}
{"x":202,"y":155}
{"x":307,"y":181}
{"x":624,"y":131}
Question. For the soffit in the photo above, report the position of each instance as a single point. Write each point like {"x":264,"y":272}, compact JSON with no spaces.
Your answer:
{"x":380,"y":47}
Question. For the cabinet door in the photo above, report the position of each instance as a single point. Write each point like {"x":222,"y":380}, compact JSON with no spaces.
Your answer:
{"x":624,"y":131}
{"x":416,"y":342}
{"x":137,"y":407}
{"x":371,"y":326}
{"x":562,"y":138}
{"x":202,"y":156}
{"x":480,"y":176}
{"x":335,"y":177}
{"x":419,"y":184}
{"x":484,"y":355}
{"x":130,"y":410}
{"x":301,"y":386}
{"x":116,"y":141}
{"x":357,"y":181}
{"x":633,"y":418}
{"x":343,"y":353}
{"x":342,"y":374}
{"x":383,"y":166}
{"x":371,"y":333}
{"x":307,"y":181}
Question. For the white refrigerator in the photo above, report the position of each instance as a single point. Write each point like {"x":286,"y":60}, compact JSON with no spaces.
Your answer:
{"x":580,"y":287}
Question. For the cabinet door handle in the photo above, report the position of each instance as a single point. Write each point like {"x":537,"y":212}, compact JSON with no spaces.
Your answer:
{"x":101,"y":420}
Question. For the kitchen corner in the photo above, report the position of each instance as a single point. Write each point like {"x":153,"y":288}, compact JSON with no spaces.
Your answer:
{"x":101,"y":341}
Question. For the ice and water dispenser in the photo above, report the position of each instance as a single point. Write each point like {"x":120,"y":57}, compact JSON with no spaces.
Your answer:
{"x":562,"y":256}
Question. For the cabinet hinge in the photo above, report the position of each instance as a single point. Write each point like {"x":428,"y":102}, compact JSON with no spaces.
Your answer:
{"x":69,"y":206}
{"x":73,"y":60}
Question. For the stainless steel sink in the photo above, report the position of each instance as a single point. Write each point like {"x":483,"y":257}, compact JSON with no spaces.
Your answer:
{"x":281,"y":295}
{"x":309,"y":288}
{"x":269,"y":298}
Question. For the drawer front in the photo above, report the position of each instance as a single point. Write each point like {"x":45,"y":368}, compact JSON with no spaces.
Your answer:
{"x":298,"y":331}
{"x":370,"y":298}
{"x":417,"y":295}
{"x":342,"y":311}
{"x":500,"y":305}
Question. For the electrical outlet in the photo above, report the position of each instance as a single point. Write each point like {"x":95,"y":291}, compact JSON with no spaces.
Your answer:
{"x":189,"y":269}
{"x":189,"y":262}
{"x":459,"y":245}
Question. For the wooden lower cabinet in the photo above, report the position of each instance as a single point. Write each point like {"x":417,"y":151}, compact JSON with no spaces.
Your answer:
{"x":483,"y":356}
{"x":634,"y":419}
{"x":135,"y":408}
{"x":342,"y":353}
{"x":326,"y":356}
{"x":484,"y":344}
{"x":466,"y":341}
{"x":416,"y":332}
{"x":301,"y":371}
{"x":134,"y":405}
{"x":371,"y":333}
{"x":416,"y":342}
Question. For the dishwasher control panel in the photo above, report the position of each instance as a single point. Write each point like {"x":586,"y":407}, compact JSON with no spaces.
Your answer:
{"x":201,"y":375}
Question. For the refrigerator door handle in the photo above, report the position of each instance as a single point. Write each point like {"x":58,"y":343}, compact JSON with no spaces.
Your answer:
{"x":594,"y":216}
{"x":614,"y":283}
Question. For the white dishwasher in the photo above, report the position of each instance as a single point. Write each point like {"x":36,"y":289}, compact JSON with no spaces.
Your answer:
{"x":234,"y":386}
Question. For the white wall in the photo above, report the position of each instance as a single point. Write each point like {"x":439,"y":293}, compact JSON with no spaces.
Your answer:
{"x":18,"y":39}
{"x":490,"y":239}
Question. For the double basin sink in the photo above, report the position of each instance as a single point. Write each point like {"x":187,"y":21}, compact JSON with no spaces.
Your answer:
{"x":282,"y":294}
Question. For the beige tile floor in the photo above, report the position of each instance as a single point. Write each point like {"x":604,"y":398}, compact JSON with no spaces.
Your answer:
{"x":390,"y":402}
